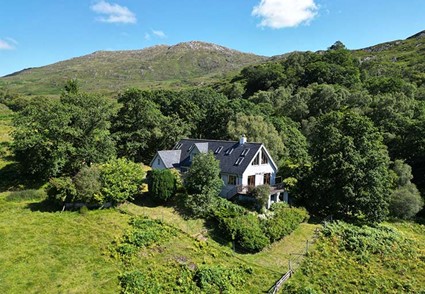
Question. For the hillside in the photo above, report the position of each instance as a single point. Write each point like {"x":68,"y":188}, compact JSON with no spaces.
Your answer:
{"x":184,"y":64}
{"x":400,"y":58}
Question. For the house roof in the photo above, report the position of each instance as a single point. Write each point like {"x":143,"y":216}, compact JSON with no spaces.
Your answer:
{"x":170,"y":158}
{"x":234,"y":158}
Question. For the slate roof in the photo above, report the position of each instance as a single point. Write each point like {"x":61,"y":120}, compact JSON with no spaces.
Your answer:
{"x":230,"y":152}
{"x":170,"y":158}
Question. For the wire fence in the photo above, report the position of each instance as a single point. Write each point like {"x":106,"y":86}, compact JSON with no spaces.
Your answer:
{"x":296,"y":259}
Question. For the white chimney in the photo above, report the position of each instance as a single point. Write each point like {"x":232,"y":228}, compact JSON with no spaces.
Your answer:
{"x":242,"y":140}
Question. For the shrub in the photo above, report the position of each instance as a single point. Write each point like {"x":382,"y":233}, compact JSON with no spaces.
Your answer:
{"x":200,"y":205}
{"x":61,"y":190}
{"x":218,"y":279}
{"x":162,"y":184}
{"x":26,"y":195}
{"x":246,"y":231}
{"x":121,"y":179}
{"x":137,"y":282}
{"x":87,"y":185}
{"x":261,"y":194}
{"x":282,"y":221}
{"x":406,"y":202}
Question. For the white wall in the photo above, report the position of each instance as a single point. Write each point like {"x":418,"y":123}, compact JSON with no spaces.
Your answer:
{"x":259,"y":171}
{"x":155,"y":164}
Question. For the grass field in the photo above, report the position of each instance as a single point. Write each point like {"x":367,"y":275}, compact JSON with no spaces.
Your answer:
{"x":69,"y":252}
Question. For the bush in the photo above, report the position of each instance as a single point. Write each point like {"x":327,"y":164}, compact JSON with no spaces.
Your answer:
{"x":282,"y":221}
{"x":200,"y":205}
{"x":261,"y":194}
{"x":26,"y":195}
{"x":137,"y":282}
{"x":61,"y":190}
{"x":406,"y":202}
{"x":162,"y":184}
{"x":87,"y":185}
{"x":246,"y":231}
{"x":218,"y":279}
{"x":121,"y":180}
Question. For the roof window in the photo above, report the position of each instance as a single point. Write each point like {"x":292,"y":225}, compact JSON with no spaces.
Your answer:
{"x":218,"y":150}
{"x":245,"y":152}
{"x":239,"y":161}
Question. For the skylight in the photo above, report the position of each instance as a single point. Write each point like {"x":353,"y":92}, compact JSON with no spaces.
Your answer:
{"x":178,"y":146}
{"x":229,"y":151}
{"x":218,"y":150}
{"x":245,"y":152}
{"x":239,"y":161}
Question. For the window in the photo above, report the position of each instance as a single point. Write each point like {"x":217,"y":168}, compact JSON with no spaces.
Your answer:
{"x":191,"y":147}
{"x":229,"y":151}
{"x":178,"y":146}
{"x":251,"y":180}
{"x":264,"y":158}
{"x":239,"y":161}
{"x":266,"y":179}
{"x":159,"y":161}
{"x":231,"y":180}
{"x":256,"y":160}
{"x":245,"y":152}
{"x":218,"y":150}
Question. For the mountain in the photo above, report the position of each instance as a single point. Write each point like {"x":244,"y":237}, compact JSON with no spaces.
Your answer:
{"x":398,"y":55}
{"x":184,"y":64}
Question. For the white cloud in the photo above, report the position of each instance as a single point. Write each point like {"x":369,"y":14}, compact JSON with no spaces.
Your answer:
{"x":147,"y":36}
{"x":159,"y":34}
{"x":6,"y":45}
{"x":113,"y":13}
{"x":279,"y":14}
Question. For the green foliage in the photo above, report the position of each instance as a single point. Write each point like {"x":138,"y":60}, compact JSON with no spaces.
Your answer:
{"x":261,"y":193}
{"x":218,"y":279}
{"x":349,"y":177}
{"x":61,"y":190}
{"x":54,"y":138}
{"x":256,"y":129}
{"x":162,"y":184}
{"x":137,"y":282}
{"x":141,"y":129}
{"x":204,"y":175}
{"x":88,"y":186}
{"x":405,"y":202}
{"x":348,"y":258}
{"x":26,"y":195}
{"x":121,"y":180}
{"x":282,"y":221}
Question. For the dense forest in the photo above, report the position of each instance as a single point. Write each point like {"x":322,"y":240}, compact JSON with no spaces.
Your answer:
{"x":346,"y":132}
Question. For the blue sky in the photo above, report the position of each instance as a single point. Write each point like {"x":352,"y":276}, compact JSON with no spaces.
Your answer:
{"x":40,"y":32}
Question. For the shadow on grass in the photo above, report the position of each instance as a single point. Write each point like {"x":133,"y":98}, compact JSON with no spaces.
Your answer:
{"x":43,"y":206}
{"x":12,"y":178}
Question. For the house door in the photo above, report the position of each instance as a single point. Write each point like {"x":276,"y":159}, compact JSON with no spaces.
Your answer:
{"x":251,"y":180}
{"x":266,"y":179}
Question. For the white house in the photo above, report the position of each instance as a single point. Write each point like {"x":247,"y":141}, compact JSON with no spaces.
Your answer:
{"x":243,"y":164}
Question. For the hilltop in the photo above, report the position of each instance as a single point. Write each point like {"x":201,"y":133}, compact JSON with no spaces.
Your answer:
{"x":184,"y":64}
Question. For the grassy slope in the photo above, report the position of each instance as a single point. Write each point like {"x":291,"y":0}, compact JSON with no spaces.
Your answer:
{"x":51,"y":252}
{"x":332,"y":270}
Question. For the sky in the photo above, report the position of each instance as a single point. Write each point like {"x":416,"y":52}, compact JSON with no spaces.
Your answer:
{"x":40,"y":32}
